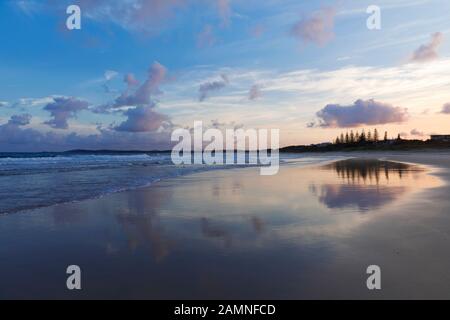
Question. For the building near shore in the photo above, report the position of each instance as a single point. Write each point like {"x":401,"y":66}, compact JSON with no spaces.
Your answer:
{"x":440,"y":137}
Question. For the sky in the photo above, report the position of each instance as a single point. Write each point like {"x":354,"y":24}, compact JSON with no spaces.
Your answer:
{"x":138,"y":69}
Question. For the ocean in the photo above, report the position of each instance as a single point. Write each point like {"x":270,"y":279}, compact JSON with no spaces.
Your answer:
{"x":32,"y":180}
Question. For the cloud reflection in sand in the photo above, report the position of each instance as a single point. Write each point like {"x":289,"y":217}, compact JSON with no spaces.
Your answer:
{"x":141,"y":222}
{"x":366,"y":184}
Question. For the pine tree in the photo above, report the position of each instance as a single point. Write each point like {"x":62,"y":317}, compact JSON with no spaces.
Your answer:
{"x":337,"y":140}
{"x":369,"y":136}
{"x":352,"y":137}
{"x":341,"y":139}
{"x":375,"y":135}
{"x":385,"y":136}
{"x":347,"y":138}
{"x":362,"y":137}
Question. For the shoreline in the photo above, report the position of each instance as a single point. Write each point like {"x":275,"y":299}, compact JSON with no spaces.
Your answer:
{"x":420,"y":157}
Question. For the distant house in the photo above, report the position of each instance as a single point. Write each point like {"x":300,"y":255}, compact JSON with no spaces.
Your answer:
{"x":440,"y":137}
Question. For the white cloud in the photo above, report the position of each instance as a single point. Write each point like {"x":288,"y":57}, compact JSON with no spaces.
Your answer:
{"x":110,"y":74}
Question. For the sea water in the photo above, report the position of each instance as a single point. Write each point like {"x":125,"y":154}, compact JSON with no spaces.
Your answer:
{"x":32,"y":180}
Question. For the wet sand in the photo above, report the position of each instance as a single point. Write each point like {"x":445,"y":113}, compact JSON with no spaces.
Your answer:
{"x":305,"y":233}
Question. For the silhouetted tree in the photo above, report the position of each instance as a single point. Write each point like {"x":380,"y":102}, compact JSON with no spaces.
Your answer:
{"x":347,"y":139}
{"x":399,"y":137}
{"x":369,"y":136}
{"x":362,"y":137}
{"x":385,"y":136}
{"x":375,"y":135}
{"x":341,"y":138}
{"x":352,"y":137}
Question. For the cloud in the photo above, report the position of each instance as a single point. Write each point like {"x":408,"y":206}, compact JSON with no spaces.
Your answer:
{"x":256,"y":31}
{"x":28,"y":7}
{"x":428,"y":52}
{"x":207,"y":87}
{"x":130,"y":80}
{"x":362,"y":112}
{"x":216,"y":124}
{"x":145,"y":16}
{"x":206,"y":37}
{"x":142,"y":119}
{"x":32,"y":102}
{"x":255,"y":92}
{"x":3,"y":104}
{"x":107,"y":89}
{"x":20,"y":119}
{"x":446,"y":108}
{"x":110,"y":74}
{"x":317,"y":28}
{"x":142,"y":96}
{"x":415,"y":132}
{"x":62,"y":109}
{"x":15,"y":138}
{"x":224,"y":10}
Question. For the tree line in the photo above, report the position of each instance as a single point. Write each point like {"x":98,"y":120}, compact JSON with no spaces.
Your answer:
{"x":356,"y":137}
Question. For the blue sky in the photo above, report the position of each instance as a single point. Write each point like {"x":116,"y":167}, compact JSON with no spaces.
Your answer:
{"x":230,"y":48}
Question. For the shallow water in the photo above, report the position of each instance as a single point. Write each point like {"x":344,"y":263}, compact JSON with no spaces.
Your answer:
{"x":32,"y":180}
{"x":307,"y":232}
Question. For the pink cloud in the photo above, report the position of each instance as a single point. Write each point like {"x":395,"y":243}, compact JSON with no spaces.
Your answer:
{"x":446,"y":108}
{"x":130,"y":80}
{"x":428,"y":52}
{"x":224,"y":10}
{"x":361,"y":112}
{"x":316,"y":28}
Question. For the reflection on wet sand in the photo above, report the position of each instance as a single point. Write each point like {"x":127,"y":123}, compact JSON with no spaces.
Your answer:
{"x":370,"y":170}
{"x":258,"y":224}
{"x":366,"y":184}
{"x":141,"y":224}
{"x":211,"y":231}
{"x":234,"y":234}
{"x":362,"y":197}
